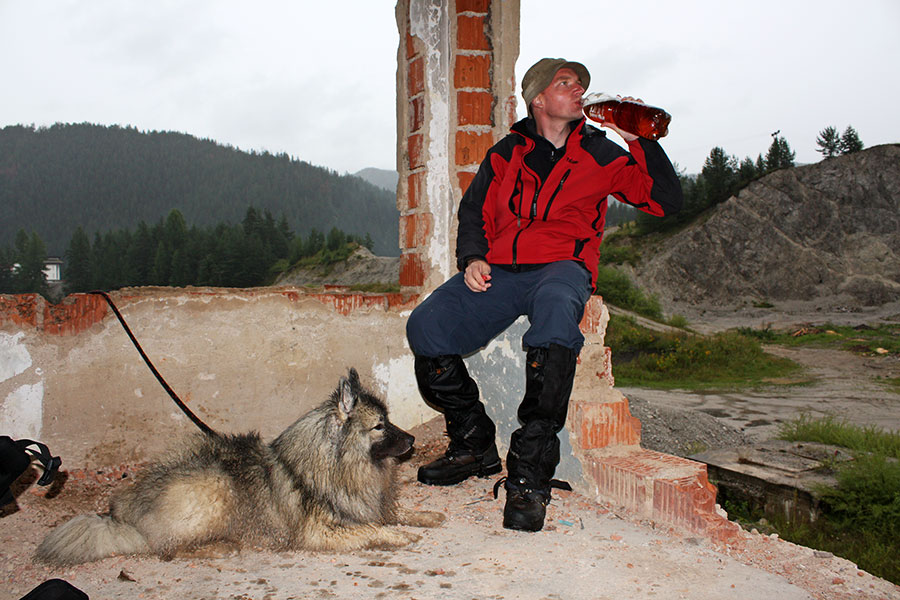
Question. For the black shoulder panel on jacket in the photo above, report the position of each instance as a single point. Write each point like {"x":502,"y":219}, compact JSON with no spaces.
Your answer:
{"x":601,"y":148}
{"x":666,"y":189}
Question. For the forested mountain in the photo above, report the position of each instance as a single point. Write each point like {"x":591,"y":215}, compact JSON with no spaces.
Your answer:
{"x":55,"y":179}
{"x":382,"y":178}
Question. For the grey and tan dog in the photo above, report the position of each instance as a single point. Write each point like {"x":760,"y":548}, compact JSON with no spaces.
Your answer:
{"x":328,"y":482}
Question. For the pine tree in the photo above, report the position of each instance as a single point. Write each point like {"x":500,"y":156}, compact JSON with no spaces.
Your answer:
{"x":779,"y":156}
{"x":747,"y":172}
{"x":6,"y":271}
{"x":829,"y":142}
{"x":760,"y":164}
{"x":30,"y":276}
{"x":141,"y":254}
{"x":314,"y":243}
{"x":850,"y":141}
{"x":78,"y":275}
{"x":336,"y":239}
{"x":720,"y":176}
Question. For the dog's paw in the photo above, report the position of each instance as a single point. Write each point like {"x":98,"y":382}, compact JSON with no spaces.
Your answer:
{"x":389,"y":537}
{"x":421,"y":518}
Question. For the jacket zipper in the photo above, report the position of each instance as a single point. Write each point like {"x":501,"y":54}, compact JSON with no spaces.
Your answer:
{"x":555,"y":192}
{"x":532,"y":216}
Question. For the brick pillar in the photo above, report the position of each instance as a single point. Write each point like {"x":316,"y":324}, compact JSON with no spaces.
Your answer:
{"x":456,"y":98}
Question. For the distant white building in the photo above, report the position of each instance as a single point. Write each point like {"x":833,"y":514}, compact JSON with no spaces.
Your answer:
{"x":53,"y":269}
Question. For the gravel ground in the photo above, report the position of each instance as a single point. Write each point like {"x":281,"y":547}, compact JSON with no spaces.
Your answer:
{"x":682,"y":432}
{"x":586,"y":551}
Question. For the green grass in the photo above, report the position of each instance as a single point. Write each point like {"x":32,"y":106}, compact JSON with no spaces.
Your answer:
{"x":829,"y":430}
{"x":892,"y":384}
{"x":326,"y":257}
{"x":644,"y":358}
{"x":863,"y":339}
{"x":377,"y":288}
{"x":861,"y":520}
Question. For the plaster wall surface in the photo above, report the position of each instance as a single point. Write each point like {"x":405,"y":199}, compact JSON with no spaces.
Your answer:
{"x":240,"y":359}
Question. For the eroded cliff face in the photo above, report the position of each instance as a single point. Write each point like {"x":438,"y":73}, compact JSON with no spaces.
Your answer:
{"x":827,"y":233}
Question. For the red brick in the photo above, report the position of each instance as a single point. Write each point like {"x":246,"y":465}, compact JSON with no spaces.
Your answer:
{"x":410,"y":44}
{"x":416,"y":113}
{"x":346,"y":303}
{"x":479,"y":6}
{"x":77,"y":313}
{"x":21,"y":309}
{"x":465,"y":179}
{"x":402,"y":302}
{"x":604,"y":424}
{"x":667,"y":489}
{"x":592,"y":321}
{"x":472,"y":71}
{"x":474,"y":108}
{"x":414,"y":189}
{"x":470,"y":34}
{"x":415,"y":150}
{"x":415,"y":229}
{"x":412,"y":273}
{"x":416,"y":77}
{"x":471,"y":147}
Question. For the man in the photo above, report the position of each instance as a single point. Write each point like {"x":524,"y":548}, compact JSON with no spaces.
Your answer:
{"x":530,"y":226}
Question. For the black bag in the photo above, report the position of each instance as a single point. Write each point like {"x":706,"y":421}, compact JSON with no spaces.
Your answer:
{"x":55,"y":589}
{"x":15,"y":457}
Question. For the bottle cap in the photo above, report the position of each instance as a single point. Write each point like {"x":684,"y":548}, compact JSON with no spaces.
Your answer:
{"x":596,"y":98}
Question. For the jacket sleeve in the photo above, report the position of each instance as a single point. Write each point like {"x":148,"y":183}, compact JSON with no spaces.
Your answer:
{"x":648,"y":180}
{"x":471,"y":236}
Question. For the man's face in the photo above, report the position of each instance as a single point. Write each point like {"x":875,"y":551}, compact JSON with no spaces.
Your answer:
{"x":562,"y":98}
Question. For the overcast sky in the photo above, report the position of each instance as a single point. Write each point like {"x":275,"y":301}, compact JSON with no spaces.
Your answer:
{"x":316,"y":80}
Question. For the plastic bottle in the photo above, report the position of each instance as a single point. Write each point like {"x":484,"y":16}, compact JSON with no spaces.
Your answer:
{"x":643,"y":120}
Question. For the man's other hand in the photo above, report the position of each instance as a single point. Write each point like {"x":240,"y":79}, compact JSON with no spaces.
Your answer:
{"x":478,"y":275}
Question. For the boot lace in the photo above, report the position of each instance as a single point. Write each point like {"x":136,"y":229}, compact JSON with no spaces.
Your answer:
{"x":554,"y":483}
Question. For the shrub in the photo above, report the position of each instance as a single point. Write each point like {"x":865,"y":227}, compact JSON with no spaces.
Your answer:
{"x":617,"y":289}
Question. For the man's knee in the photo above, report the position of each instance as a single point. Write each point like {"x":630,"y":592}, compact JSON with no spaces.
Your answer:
{"x":420,"y":328}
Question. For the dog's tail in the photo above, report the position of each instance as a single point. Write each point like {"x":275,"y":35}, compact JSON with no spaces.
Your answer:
{"x":89,"y":537}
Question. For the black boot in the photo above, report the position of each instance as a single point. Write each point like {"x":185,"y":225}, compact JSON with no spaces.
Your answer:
{"x":526,"y":506}
{"x":445,"y":384}
{"x":534,"y":447}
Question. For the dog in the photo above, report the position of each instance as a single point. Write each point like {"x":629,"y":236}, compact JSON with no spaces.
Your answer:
{"x":328,"y":482}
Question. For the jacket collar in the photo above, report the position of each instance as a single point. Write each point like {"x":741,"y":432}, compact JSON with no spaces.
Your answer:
{"x":528,"y":127}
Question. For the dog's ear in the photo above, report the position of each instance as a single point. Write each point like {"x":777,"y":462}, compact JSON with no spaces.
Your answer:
{"x":346,"y":398}
{"x":353,"y":376}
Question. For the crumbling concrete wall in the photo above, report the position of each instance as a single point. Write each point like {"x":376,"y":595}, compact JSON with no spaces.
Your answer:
{"x":240,"y":359}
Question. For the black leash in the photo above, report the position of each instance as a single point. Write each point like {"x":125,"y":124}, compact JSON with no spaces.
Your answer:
{"x":203,"y":426}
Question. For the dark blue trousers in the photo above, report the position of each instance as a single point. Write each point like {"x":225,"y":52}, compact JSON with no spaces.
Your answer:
{"x":456,"y":320}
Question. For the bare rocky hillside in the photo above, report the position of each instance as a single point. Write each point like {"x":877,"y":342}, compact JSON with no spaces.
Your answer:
{"x":361,"y":268}
{"x":827,"y":234}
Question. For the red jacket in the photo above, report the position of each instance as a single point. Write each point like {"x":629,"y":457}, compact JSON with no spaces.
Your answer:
{"x":532,"y":204}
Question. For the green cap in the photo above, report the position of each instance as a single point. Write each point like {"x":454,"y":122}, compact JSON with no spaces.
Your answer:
{"x":541,"y":73}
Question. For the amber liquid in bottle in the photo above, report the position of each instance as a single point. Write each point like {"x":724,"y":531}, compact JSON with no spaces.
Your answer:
{"x":643,"y":120}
